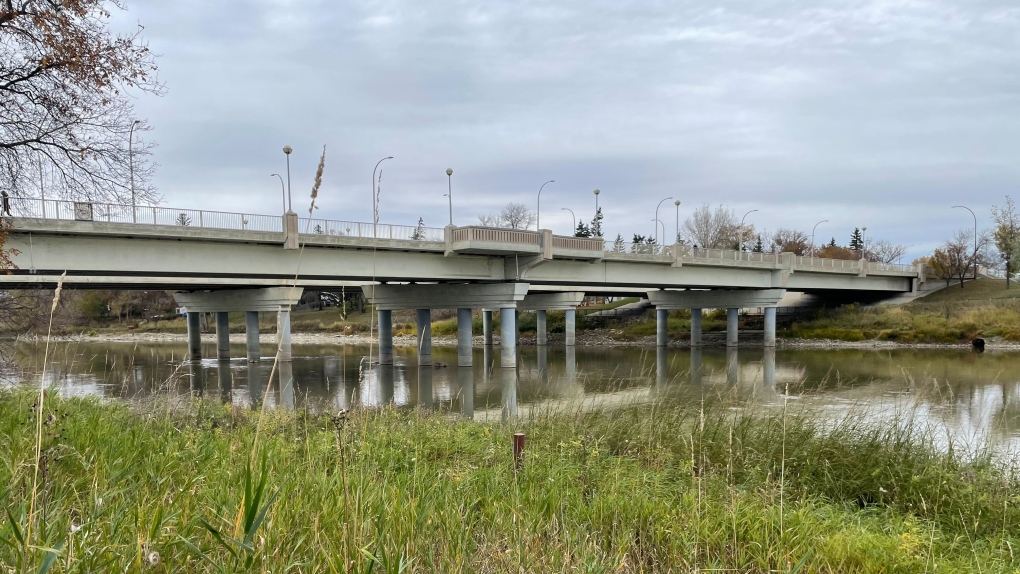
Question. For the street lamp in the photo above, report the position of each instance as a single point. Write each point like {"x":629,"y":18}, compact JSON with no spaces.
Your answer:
{"x":574,"y":217}
{"x":290,"y":203}
{"x":538,"y":209}
{"x":131,"y":168}
{"x":975,"y":235}
{"x":657,"y":218}
{"x":659,"y":222}
{"x":449,"y":187}
{"x":864,"y":243}
{"x":375,"y":200}
{"x":741,"y":246}
{"x":813,"y":235}
{"x":597,"y":192}
{"x":283,"y":190}
{"x":677,"y":204}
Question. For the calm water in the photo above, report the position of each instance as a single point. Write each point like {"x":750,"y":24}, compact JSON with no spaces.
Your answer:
{"x":972,"y":397}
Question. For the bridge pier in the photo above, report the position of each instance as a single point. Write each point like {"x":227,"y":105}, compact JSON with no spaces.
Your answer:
{"x":732,"y":326}
{"x":695,"y":327}
{"x":283,"y":334}
{"x":770,"y":326}
{"x":569,"y":327}
{"x":661,"y":327}
{"x":195,"y":335}
{"x":508,"y":337}
{"x":464,"y":358}
{"x":540,"y":328}
{"x":222,"y":336}
{"x":251,"y":334}
{"x":487,"y":326}
{"x":385,"y":337}
{"x":423,"y":329}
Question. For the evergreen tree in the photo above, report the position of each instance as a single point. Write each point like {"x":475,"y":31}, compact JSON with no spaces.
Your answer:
{"x":596,"y":224}
{"x":832,"y":242}
{"x":758,"y":247}
{"x":618,"y":245}
{"x":582,"y":230}
{"x":856,"y":240}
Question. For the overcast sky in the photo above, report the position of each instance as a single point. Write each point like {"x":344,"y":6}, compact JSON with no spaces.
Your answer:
{"x":866,"y":113}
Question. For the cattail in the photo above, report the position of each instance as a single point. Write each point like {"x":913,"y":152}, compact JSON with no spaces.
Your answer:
{"x":318,"y":178}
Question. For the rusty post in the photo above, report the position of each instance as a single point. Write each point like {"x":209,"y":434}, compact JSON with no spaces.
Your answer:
{"x":518,"y":450}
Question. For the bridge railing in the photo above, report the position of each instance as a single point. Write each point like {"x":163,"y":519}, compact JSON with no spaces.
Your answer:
{"x":879,"y":266}
{"x":733,"y":255}
{"x":368,"y":230}
{"x":821,"y":263}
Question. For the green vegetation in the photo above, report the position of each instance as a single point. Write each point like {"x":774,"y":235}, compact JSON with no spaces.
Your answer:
{"x":175,"y":488}
{"x":974,"y":292}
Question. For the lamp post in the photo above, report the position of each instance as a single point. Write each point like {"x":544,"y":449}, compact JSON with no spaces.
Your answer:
{"x":538,"y":208}
{"x":864,"y":243}
{"x":283,"y":190}
{"x":574,"y":217}
{"x":597,"y":192}
{"x":659,"y":222}
{"x":449,"y":188}
{"x":677,"y":204}
{"x":657,"y":218}
{"x":813,"y":235}
{"x":975,"y":235}
{"x":290,"y":203}
{"x":741,"y":246}
{"x":131,"y":169}
{"x":375,"y":200}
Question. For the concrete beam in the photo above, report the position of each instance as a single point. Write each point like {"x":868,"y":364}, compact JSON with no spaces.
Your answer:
{"x":446,"y":296}
{"x":228,"y":300}
{"x":716,"y":299}
{"x":551,"y":301}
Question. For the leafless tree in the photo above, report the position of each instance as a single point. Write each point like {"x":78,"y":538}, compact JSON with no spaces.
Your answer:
{"x":884,"y":251}
{"x":786,"y":240}
{"x":66,"y":121}
{"x":714,"y":228}
{"x":962,"y":255}
{"x":512,"y":216}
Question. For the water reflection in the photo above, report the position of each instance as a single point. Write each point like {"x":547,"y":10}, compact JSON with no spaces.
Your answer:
{"x":961,"y":390}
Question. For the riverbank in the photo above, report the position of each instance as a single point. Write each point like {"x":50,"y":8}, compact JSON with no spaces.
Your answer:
{"x":161,"y":487}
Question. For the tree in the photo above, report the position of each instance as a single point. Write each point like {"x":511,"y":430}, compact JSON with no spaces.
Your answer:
{"x":856,"y":240}
{"x":884,"y":251}
{"x":582,"y":230}
{"x":1007,"y":236}
{"x":419,"y":232}
{"x":789,"y":241}
{"x":832,"y":251}
{"x":713,"y":228}
{"x":618,"y":244}
{"x":832,"y":242}
{"x":758,"y":247}
{"x":961,"y":254}
{"x":596,"y":223}
{"x":66,"y":117}
{"x":942,"y":265}
{"x":512,"y":216}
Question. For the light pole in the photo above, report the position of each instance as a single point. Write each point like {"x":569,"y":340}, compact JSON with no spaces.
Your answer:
{"x":574,"y":217}
{"x":131,"y":168}
{"x":449,"y":194}
{"x":659,"y":222}
{"x":538,"y":208}
{"x":283,"y":190}
{"x":975,"y":235}
{"x":375,"y":200}
{"x":864,"y":243}
{"x":741,"y":246}
{"x":597,"y":224}
{"x":657,"y":218}
{"x":813,"y":235}
{"x":677,"y":204}
{"x":290,"y":203}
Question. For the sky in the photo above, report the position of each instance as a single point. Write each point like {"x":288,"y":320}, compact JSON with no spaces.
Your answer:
{"x":880,"y":114}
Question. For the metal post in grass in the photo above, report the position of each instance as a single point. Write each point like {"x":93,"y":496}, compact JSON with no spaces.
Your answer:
{"x":518,"y":450}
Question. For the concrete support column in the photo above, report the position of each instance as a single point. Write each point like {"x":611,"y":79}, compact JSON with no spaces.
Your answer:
{"x":487,"y":326}
{"x":251,"y":335}
{"x":426,"y":395}
{"x":570,"y":324}
{"x":732,"y":366}
{"x":508,"y":380}
{"x":385,"y":337}
{"x":696,"y":369}
{"x":661,"y":327}
{"x":769,"y":368}
{"x":508,"y":338}
{"x":283,"y":335}
{"x":466,"y":379}
{"x":731,"y":327}
{"x":770,"y":326}
{"x":540,"y":331}
{"x":195,"y":335}
{"x":695,"y":327}
{"x":661,"y":367}
{"x":464,"y":338}
{"x":222,"y":336}
{"x":423,"y":328}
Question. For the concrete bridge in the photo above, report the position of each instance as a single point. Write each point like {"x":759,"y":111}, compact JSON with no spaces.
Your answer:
{"x":220,"y":262}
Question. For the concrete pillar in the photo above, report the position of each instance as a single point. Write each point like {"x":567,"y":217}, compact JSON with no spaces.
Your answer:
{"x":486,"y":362}
{"x":464,"y":338}
{"x":425,"y":393}
{"x":508,"y":339}
{"x":222,"y":336}
{"x":487,"y":326}
{"x":570,"y":322}
{"x":731,"y":327}
{"x":768,"y":367}
{"x":226,"y":381}
{"x":465,"y":376}
{"x":661,"y":366}
{"x":732,"y":366}
{"x":251,"y":333}
{"x":695,"y":327}
{"x":508,"y":378}
{"x":256,"y":386}
{"x":543,"y":363}
{"x":195,"y":335}
{"x":770,"y":326}
{"x":423,"y":329}
{"x":571,"y":365}
{"x":287,"y":396}
{"x":387,"y":376}
{"x":696,"y":369}
{"x":385,"y":337}
{"x":661,"y":327}
{"x":197,"y":376}
{"x":283,"y":334}
{"x":517,"y":327}
{"x":540,"y":331}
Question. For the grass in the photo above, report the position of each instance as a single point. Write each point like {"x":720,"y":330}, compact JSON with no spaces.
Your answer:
{"x":972,"y":291}
{"x":172,"y":488}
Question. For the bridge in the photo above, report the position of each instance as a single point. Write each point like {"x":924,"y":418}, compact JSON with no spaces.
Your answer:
{"x":219,"y":262}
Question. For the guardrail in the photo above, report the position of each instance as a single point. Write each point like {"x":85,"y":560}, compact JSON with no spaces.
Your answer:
{"x":577,"y":243}
{"x":804,"y":261}
{"x":733,"y":255}
{"x":368,"y":230}
{"x":495,"y":235}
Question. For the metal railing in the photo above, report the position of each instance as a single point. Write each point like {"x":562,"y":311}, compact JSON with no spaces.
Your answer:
{"x":368,"y":230}
{"x":733,"y":255}
{"x":878,"y":266}
{"x":821,"y":263}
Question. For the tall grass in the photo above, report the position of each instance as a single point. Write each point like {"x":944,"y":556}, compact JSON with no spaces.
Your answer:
{"x":659,"y":489}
